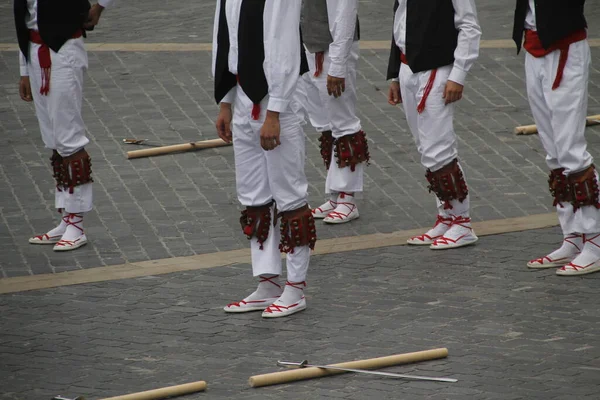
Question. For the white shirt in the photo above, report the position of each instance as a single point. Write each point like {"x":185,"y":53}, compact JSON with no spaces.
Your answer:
{"x":465,"y":21}
{"x":281,"y":32}
{"x":31,"y":22}
{"x":530,"y":18}
{"x":342,"y":25}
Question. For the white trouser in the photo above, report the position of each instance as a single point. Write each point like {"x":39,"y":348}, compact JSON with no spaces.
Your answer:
{"x":560,"y":116}
{"x":59,"y":112}
{"x":433,"y":129}
{"x":326,"y":113}
{"x":263,"y":176}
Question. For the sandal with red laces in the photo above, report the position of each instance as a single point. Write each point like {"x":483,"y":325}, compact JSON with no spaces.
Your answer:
{"x":587,"y":261}
{"x":460,"y":234}
{"x":71,"y":244}
{"x":324,"y":209}
{"x":570,"y":249}
{"x":284,"y":306}
{"x":257,"y":301}
{"x":46,"y":238}
{"x":573,"y":269}
{"x":442,"y":224}
{"x":345,"y":211}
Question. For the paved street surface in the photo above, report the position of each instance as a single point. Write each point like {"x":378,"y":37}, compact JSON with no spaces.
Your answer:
{"x":511,"y":333}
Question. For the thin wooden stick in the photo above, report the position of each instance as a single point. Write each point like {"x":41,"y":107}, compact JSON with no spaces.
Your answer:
{"x":203,"y":144}
{"x":163,"y":393}
{"x":532,"y":129}
{"x":276,"y":378}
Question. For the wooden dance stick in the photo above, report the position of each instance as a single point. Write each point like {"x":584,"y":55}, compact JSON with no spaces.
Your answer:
{"x":532,"y":129}
{"x":276,"y":378}
{"x":203,"y":144}
{"x":163,"y":393}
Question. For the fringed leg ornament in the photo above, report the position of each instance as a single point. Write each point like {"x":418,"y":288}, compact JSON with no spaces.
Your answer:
{"x":256,"y":222}
{"x":352,"y":149}
{"x":297,"y":229}
{"x":584,"y":188}
{"x":559,"y":187}
{"x":326,"y":147}
{"x":77,"y":170}
{"x":448,"y":183}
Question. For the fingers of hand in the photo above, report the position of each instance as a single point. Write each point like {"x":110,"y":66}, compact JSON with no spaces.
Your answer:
{"x":25,"y":92}
{"x":269,"y":141}
{"x":453,"y":95}
{"x":228,"y":133}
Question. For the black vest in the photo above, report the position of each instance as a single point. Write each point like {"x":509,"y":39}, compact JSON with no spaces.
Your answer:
{"x":431,"y":37}
{"x":314,"y":24}
{"x":554,"y":19}
{"x":58,"y":21}
{"x":251,"y":53}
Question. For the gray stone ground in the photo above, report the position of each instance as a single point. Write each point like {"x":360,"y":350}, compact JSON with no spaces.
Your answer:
{"x":185,"y":204}
{"x":512,"y":333}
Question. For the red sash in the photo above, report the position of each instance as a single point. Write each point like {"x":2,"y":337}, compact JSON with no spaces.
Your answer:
{"x":255,"y":107}
{"x":44,"y":57}
{"x":533,"y":45}
{"x":428,"y":86}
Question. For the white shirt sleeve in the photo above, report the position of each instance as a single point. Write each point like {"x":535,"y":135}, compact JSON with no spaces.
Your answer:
{"x":281,"y":30}
{"x":23,"y":65}
{"x":467,"y":50}
{"x":342,"y":25}
{"x":105,"y":3}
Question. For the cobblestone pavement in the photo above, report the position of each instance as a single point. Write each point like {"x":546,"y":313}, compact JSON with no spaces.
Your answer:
{"x":185,"y":204}
{"x":512,"y":333}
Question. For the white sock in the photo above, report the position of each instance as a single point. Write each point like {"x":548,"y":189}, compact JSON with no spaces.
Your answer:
{"x":461,"y":227}
{"x":571,"y":246}
{"x":292,"y":293}
{"x":345,"y":198}
{"x":591,"y":250}
{"x":74,"y":222}
{"x":441,"y":226}
{"x":268,"y":288}
{"x":61,"y":228}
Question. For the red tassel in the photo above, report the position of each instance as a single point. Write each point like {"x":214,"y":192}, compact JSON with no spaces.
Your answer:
{"x":319,"y":59}
{"x":427,"y":90}
{"x":45,"y":65}
{"x":256,"y":112}
{"x":562,"y":62}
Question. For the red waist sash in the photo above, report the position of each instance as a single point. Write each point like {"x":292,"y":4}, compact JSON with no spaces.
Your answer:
{"x":44,"y":58}
{"x":533,"y":45}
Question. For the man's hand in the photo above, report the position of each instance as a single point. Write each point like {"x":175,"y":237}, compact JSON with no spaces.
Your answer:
{"x":269,"y":133}
{"x":94,"y":16}
{"x":224,"y":123}
{"x":25,"y":89}
{"x":453,"y":92}
{"x":394,"y":95}
{"x":335,"y":86}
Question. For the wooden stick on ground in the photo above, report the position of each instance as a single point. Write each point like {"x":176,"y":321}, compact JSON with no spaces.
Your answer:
{"x":532,"y":129}
{"x":203,"y":144}
{"x":276,"y":378}
{"x":163,"y":393}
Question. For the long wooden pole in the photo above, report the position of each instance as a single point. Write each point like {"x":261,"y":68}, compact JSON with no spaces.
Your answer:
{"x":277,"y":378}
{"x":203,"y":144}
{"x":163,"y":393}
{"x":532,"y":129}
